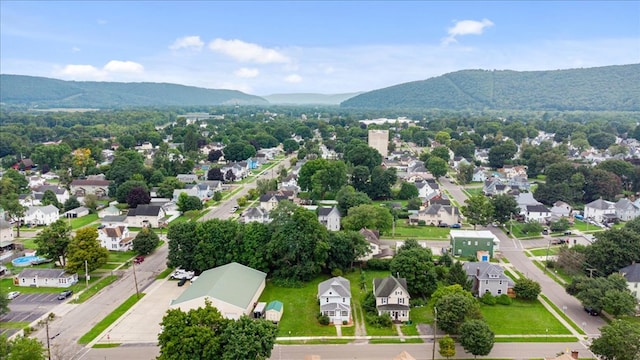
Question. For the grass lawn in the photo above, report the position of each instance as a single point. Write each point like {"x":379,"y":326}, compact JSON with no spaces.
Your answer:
{"x":419,"y":232}
{"x":164,"y":273}
{"x":522,"y":318}
{"x":358,"y":294}
{"x":300,"y":309}
{"x":30,"y":243}
{"x":544,"y":339}
{"x":120,"y":256}
{"x":516,"y":227}
{"x":83,"y":221}
{"x":109,"y":319}
{"x":553,"y":250}
{"x":473,"y":191}
{"x":15,"y":324}
{"x":421,"y":315}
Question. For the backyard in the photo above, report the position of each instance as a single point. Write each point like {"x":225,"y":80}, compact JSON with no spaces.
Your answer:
{"x":404,"y":231}
{"x":522,"y":318}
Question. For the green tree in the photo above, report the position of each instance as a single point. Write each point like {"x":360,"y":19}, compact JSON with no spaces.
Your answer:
{"x":187,"y":203}
{"x":85,"y":246}
{"x":345,"y":247}
{"x":13,"y":209}
{"x":619,"y":340}
{"x":248,"y":338}
{"x":478,"y":210}
{"x":504,"y":207}
{"x":123,"y":190}
{"x":169,"y":184}
{"x":53,"y":241}
{"x":416,"y":265}
{"x":71,"y":203}
{"x":50,"y":198}
{"x":347,"y":197}
{"x":476,"y":337}
{"x":21,"y":348}
{"x":442,"y":152}
{"x":608,"y":293}
{"x":381,"y":182}
{"x":4,"y":302}
{"x":18,"y":180}
{"x":239,"y":151}
{"x":614,"y":249}
{"x":443,"y":137}
{"x":290,"y":145}
{"x":437,"y":166}
{"x":298,"y":248}
{"x":447,"y":347}
{"x":368,"y":216}
{"x":363,"y":155}
{"x":502,"y":152}
{"x":145,"y":241}
{"x":465,"y":173}
{"x":454,"y":309}
{"x":559,"y":225}
{"x":457,"y":275}
{"x":531,"y":227}
{"x":182,"y":245}
{"x":527,"y":289}
{"x":407,"y":191}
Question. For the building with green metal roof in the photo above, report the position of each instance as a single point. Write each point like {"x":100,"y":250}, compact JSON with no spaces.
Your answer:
{"x":233,"y":289}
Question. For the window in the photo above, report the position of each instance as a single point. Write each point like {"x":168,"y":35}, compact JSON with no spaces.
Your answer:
{"x":500,"y":282}
{"x":499,"y":291}
{"x":486,"y":282}
{"x":343,"y":300}
{"x":345,"y":313}
{"x":332,"y":313}
{"x":327,"y":300}
{"x":476,"y":243}
{"x":400,"y":300}
{"x":384,"y":300}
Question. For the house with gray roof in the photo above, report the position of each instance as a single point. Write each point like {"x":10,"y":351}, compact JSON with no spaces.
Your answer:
{"x":539,"y":213}
{"x":598,"y":209}
{"x":627,"y":210}
{"x":392,"y":297}
{"x":41,"y":215}
{"x":82,"y":187}
{"x":6,"y":234}
{"x":46,"y":278}
{"x":632,"y":274}
{"x":436,"y":214}
{"x":329,"y":217}
{"x":187,"y":178}
{"x":377,"y":249}
{"x":487,"y":278}
{"x":233,"y":289}
{"x":62,"y":194}
{"x":148,"y":215}
{"x":256,"y":214}
{"x":334,"y":296}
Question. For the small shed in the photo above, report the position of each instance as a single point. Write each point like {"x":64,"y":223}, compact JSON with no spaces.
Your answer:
{"x":273,"y":311}
{"x":258,"y":311}
{"x":77,"y":212}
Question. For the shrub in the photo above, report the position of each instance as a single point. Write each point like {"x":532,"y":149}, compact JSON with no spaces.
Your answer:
{"x":504,"y":300}
{"x":488,"y":299}
{"x":344,"y":322}
{"x":422,"y":223}
{"x":369,"y":303}
{"x":336,"y":272}
{"x":323,"y":319}
{"x":379,"y":264}
{"x":383,"y":321}
{"x":418,"y":301}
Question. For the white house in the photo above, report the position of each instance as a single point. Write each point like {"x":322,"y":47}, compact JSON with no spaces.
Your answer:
{"x":597,"y":210}
{"x":6,"y":233}
{"x":627,"y":210}
{"x":479,"y":175}
{"x":115,"y":238}
{"x":561,"y":209}
{"x":62,"y":194}
{"x":329,"y":217}
{"x":392,"y":297}
{"x":233,"y":289}
{"x":41,"y":215}
{"x":151,"y":215}
{"x":334,"y":296}
{"x":436,"y":214}
{"x":376,"y":248}
{"x":97,"y":187}
{"x":187,"y":178}
{"x":632,"y":274}
{"x":538,"y":213}
{"x":45,"y":278}
{"x":487,"y":278}
{"x":256,"y":214}
{"x":269,"y":201}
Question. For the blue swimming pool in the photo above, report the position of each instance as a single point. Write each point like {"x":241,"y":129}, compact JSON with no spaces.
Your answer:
{"x":28,"y":260}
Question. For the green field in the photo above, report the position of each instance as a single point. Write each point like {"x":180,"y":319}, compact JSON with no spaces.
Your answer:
{"x":522,"y":318}
{"x":83,"y":221}
{"x":404,"y":231}
{"x":553,"y":250}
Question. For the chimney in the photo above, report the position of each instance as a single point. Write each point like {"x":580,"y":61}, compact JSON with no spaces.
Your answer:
{"x":574,"y":354}
{"x":477,"y":271}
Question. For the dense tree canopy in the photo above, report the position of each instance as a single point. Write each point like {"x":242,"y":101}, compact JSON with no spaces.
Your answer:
{"x":54,"y":240}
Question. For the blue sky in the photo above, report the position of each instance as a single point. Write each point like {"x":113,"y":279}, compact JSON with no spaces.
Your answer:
{"x":309,"y":46}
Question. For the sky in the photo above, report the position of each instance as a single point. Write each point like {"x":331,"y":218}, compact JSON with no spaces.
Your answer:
{"x":326,"y":47}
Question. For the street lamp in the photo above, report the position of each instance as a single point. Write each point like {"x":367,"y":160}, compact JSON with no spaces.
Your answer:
{"x":435,"y":332}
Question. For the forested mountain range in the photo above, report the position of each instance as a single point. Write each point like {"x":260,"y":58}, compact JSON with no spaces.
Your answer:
{"x":45,"y":92}
{"x":309,"y":99}
{"x":590,"y":89}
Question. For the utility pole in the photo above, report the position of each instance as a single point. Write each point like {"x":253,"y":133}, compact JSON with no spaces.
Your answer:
{"x":86,"y":274}
{"x":435,"y":332}
{"x":135,"y":279}
{"x":46,"y":324}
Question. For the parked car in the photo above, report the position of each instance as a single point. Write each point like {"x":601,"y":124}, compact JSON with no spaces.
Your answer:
{"x":559,"y":241}
{"x":182,"y":281}
{"x":456,"y":226}
{"x":138,"y":259}
{"x":591,"y":311}
{"x":443,"y":225}
{"x":234,"y":209}
{"x":182,"y":274}
{"x":12,"y":295}
{"x":65,"y":294}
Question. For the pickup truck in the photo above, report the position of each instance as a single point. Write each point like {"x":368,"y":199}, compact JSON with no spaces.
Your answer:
{"x":182,"y":274}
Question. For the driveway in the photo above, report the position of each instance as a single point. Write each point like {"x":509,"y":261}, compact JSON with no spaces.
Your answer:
{"x":141,"y":324}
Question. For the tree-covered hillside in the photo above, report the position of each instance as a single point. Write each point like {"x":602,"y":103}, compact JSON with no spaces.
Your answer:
{"x":592,"y":89}
{"x":45,"y":92}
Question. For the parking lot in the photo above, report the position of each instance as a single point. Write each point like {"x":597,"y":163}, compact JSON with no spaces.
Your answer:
{"x":141,"y":324}
{"x":28,"y":308}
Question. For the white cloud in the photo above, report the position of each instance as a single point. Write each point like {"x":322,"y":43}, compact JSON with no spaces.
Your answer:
{"x":123,"y":67}
{"x":75,"y":49}
{"x":247,"y":72}
{"x":188,"y":42}
{"x":247,"y":52}
{"x":102,"y":22}
{"x":293,"y":79}
{"x":82,"y":72}
{"x":466,"y":27}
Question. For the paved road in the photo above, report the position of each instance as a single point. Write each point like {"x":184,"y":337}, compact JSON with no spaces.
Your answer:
{"x":360,"y":351}
{"x":512,"y":250}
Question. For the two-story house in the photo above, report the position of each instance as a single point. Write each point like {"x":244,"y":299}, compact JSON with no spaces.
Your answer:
{"x":487,"y":278}
{"x":256,"y":214}
{"x":269,"y":201}
{"x":436,"y":214}
{"x":97,"y":187}
{"x":598,"y":210}
{"x":329,"y":217}
{"x":115,"y":238}
{"x":392,"y":297}
{"x":187,"y":178}
{"x":627,"y":210}
{"x":377,"y":249}
{"x":41,"y":215}
{"x":62,"y":194}
{"x":539,"y":213}
{"x":334,"y":296}
{"x":149,"y":215}
{"x":631,"y":273}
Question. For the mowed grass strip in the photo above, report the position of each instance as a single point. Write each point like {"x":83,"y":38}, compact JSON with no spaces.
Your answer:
{"x":109,"y":319}
{"x":522,"y":318}
{"x":419,"y":232}
{"x":563,"y":315}
{"x":93,"y":289}
{"x":537,"y":339}
{"x":300,"y":309}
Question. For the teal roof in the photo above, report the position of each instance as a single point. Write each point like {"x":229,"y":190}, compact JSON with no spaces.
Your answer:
{"x":274,"y":305}
{"x":232,"y":283}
